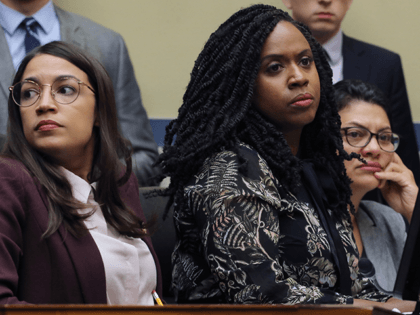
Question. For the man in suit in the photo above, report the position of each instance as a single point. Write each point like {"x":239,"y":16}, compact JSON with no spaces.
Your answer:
{"x":104,"y":44}
{"x":353,"y":59}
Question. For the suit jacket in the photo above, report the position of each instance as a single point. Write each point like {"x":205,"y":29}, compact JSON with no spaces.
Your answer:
{"x":56,"y":270}
{"x":109,"y":48}
{"x":383,"y":233}
{"x":383,"y":68}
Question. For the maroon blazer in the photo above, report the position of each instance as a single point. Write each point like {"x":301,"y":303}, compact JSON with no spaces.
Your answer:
{"x":60,"y":269}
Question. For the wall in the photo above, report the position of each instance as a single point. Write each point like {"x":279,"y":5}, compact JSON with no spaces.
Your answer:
{"x":164,"y":37}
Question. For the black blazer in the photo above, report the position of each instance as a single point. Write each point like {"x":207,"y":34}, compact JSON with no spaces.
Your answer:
{"x":383,"y":68}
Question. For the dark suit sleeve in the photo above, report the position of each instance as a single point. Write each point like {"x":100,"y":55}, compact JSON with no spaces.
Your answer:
{"x":12,"y":216}
{"x":133,"y":119}
{"x":401,"y":120}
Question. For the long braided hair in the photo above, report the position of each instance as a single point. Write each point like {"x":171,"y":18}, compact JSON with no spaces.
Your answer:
{"x":218,"y":113}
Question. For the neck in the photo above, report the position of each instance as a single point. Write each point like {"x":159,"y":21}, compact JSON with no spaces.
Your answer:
{"x":293,"y":140}
{"x":26,"y":7}
{"x":323,"y":37}
{"x":80,"y":169}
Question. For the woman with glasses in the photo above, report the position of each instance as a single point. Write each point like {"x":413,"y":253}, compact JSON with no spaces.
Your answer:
{"x":379,"y":230}
{"x":71,"y":226}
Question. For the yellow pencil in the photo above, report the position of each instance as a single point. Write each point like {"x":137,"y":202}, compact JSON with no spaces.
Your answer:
{"x":157,"y":298}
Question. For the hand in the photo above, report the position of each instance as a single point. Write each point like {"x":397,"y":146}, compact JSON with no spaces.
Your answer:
{"x":398,"y":187}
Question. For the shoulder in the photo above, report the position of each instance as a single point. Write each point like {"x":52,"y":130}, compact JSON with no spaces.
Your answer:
{"x":381,"y":214}
{"x":379,"y":53}
{"x":79,"y":21}
{"x":13,"y":169}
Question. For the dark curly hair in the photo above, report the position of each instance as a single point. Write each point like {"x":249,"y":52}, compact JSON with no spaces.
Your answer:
{"x":218,"y":113}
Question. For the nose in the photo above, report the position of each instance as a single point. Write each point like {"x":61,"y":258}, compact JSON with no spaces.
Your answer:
{"x":46,"y":102}
{"x":372,"y":149}
{"x":324,"y":1}
{"x":297,"y":77}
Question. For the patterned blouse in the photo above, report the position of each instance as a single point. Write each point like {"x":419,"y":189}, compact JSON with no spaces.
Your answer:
{"x":247,"y":240}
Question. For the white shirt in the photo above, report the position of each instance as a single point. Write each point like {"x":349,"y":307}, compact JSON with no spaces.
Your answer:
{"x":130,"y":269}
{"x":335,"y":52}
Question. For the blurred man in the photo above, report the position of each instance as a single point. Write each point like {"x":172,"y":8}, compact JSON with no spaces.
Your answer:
{"x":29,"y":23}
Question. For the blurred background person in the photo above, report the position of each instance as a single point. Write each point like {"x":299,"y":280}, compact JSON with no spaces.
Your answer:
{"x":29,"y":23}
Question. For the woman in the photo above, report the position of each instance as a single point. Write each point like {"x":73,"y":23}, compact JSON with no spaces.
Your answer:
{"x":250,"y":156}
{"x":379,"y":230}
{"x":72,"y":228}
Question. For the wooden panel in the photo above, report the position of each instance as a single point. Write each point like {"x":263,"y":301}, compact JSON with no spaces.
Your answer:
{"x":188,"y":310}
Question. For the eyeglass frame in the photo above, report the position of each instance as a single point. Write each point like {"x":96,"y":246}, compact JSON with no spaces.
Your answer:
{"x":11,"y":88}
{"x":370,"y":138}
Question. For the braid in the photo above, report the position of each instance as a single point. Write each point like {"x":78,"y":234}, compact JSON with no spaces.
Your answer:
{"x":217,"y":111}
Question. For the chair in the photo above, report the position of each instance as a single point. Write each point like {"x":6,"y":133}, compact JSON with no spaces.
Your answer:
{"x":163,"y":238}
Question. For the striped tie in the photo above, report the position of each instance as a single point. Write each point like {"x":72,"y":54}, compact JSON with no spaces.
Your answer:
{"x":31,"y":40}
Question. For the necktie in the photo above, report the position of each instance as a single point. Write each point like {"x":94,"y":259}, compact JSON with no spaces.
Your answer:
{"x":326,"y":54}
{"x":31,"y":40}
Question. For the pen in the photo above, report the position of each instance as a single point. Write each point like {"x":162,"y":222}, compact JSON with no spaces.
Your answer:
{"x":157,"y":298}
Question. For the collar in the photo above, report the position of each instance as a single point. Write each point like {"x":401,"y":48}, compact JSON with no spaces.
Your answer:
{"x":81,"y":189}
{"x":334,"y":47}
{"x":11,"y":19}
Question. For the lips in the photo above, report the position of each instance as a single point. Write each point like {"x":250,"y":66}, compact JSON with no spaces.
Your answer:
{"x":302,"y":100}
{"x":324,"y":15}
{"x":371,"y":167}
{"x":46,"y":125}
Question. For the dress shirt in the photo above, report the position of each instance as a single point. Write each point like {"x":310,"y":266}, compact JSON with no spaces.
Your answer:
{"x":335,"y":52}
{"x":47,"y":31}
{"x":130,"y":270}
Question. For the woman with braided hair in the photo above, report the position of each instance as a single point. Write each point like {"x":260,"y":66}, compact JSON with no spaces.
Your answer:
{"x":258,"y":182}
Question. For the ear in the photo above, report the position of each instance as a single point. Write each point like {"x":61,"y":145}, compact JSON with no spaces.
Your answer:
{"x":288,"y":4}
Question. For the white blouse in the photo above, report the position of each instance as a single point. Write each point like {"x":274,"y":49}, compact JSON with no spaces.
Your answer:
{"x":130,"y":269}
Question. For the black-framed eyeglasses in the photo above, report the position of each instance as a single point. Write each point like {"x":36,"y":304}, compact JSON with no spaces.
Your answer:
{"x":360,"y":137}
{"x":64,"y":90}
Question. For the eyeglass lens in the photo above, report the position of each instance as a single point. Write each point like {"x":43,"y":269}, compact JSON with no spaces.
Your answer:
{"x":64,"y":91}
{"x":360,"y":137}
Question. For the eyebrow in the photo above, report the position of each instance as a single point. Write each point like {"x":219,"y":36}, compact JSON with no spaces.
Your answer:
{"x":60,"y":77}
{"x":360,"y":125}
{"x":303,"y":52}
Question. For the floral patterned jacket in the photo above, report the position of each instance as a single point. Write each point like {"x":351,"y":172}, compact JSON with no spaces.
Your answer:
{"x":247,"y":240}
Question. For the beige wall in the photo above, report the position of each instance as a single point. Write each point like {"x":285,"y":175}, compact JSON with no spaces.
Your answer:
{"x":164,"y":37}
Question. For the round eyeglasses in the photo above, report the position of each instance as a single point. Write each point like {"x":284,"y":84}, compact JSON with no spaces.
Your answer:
{"x":64,"y":90}
{"x":360,"y":137}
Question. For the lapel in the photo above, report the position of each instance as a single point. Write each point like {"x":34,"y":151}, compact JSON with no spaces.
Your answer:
{"x":72,"y":30}
{"x":376,"y":247}
{"x":355,"y":66}
{"x":7,"y":72}
{"x":86,"y":258}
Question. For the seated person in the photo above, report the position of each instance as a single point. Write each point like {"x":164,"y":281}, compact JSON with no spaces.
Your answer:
{"x":72,"y":228}
{"x":257,"y":175}
{"x":379,"y":230}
